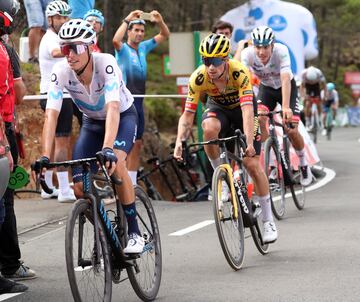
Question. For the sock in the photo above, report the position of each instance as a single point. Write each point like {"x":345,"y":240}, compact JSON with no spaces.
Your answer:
{"x":63,"y":179}
{"x":307,"y":122}
{"x":130,"y":213}
{"x":133,"y":176}
{"x":214,"y":162}
{"x":302,"y":157}
{"x":48,"y":178}
{"x":265,"y":207}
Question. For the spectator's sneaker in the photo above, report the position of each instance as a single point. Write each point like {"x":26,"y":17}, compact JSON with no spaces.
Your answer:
{"x":54,"y":194}
{"x":270,"y":233}
{"x":23,"y":273}
{"x":323,"y":132}
{"x":34,"y":60}
{"x":68,"y":196}
{"x":306,"y":176}
{"x":11,"y":287}
{"x":135,"y":244}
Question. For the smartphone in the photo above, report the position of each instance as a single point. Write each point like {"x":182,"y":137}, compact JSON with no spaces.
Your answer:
{"x":145,"y":16}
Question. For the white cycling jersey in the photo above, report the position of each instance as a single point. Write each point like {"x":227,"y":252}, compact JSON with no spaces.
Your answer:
{"x":332,"y":96}
{"x":106,"y":86}
{"x":269,"y":74}
{"x":319,"y":76}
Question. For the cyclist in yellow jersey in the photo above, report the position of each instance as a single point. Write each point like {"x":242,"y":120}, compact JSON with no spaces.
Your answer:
{"x":230,"y":105}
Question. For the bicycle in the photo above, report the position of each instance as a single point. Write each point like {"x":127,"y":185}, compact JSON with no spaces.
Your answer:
{"x":315,"y":125}
{"x":238,"y":211}
{"x":279,"y":169}
{"x":94,"y":243}
{"x":329,"y":117}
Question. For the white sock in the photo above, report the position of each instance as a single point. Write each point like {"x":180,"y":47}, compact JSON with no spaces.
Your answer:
{"x":302,"y":157}
{"x":265,"y":207}
{"x":48,"y":178}
{"x":133,"y":176}
{"x":214,"y":162}
{"x":63,"y":179}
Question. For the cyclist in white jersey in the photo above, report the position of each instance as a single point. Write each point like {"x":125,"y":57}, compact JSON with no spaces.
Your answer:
{"x":95,"y":84}
{"x":270,"y":62}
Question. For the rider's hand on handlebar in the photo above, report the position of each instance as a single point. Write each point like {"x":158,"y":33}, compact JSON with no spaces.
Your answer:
{"x":250,"y":151}
{"x":178,"y":151}
{"x":110,"y":159}
{"x":287,"y":115}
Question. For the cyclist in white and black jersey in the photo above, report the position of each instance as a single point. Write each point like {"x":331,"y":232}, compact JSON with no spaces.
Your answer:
{"x":95,"y":84}
{"x":270,"y":62}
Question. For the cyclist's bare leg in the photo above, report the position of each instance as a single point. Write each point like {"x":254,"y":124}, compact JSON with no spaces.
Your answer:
{"x":211,"y":127}
{"x":263,"y":121}
{"x":307,"y":112}
{"x":253,"y":167}
{"x":133,"y":159}
{"x":295,"y":137}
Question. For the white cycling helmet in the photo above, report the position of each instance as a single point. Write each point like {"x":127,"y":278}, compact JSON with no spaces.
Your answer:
{"x":77,"y":31}
{"x":311,"y":74}
{"x":58,"y":7}
{"x":262,"y":36}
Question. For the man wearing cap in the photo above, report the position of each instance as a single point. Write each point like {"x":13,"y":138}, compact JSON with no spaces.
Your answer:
{"x":131,"y":58}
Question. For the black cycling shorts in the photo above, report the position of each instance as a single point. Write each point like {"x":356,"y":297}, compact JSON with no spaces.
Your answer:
{"x":268,"y":98}
{"x":312,"y":90}
{"x":230,"y":120}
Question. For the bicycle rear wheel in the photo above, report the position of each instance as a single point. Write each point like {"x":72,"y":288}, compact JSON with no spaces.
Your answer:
{"x":275,"y":175}
{"x":89,"y":281}
{"x":145,"y":274}
{"x":257,"y":231}
{"x":230,"y":230}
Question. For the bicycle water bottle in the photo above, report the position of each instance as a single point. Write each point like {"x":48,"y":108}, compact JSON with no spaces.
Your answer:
{"x":237,"y":174}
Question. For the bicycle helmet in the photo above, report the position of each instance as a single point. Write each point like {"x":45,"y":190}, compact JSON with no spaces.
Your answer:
{"x":311,"y":74}
{"x":96,"y":13}
{"x":77,"y":31}
{"x":8,"y":9}
{"x":215,"y":46}
{"x":262,"y":36}
{"x":58,"y":7}
{"x":330,"y":86}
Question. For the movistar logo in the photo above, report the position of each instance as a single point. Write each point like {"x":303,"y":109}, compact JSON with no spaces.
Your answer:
{"x":130,"y":212}
{"x":97,"y":107}
{"x":120,"y":144}
{"x":55,"y":96}
{"x":111,"y":87}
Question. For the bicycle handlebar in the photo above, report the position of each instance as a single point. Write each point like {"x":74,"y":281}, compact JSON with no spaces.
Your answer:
{"x":271,"y":114}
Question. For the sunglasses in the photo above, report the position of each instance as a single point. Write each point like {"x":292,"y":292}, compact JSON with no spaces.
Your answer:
{"x":76,"y":48}
{"x":212,"y":61}
{"x":93,"y":19}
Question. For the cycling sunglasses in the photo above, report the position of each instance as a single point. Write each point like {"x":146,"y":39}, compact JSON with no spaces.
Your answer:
{"x":76,"y":48}
{"x":212,"y":61}
{"x":93,"y":19}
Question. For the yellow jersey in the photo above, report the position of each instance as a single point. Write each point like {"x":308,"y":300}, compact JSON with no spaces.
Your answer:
{"x":238,"y":90}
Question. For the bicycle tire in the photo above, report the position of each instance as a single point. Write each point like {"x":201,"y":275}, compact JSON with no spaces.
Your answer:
{"x":296,"y":188}
{"x":329,"y":120}
{"x":232,"y":246}
{"x":152,"y":251}
{"x":277,"y":200}
{"x":80,"y":219}
{"x":257,"y":233}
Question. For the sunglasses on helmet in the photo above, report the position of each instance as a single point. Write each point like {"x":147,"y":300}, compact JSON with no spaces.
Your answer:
{"x":137,"y":21}
{"x":93,"y":19}
{"x":212,"y":61}
{"x":76,"y":48}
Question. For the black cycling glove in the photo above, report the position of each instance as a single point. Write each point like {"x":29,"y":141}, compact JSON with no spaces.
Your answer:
{"x":40,"y":163}
{"x":109,"y":156}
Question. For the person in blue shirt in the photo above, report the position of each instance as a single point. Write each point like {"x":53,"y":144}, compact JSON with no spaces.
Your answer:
{"x":80,"y":7}
{"x":131,"y":58}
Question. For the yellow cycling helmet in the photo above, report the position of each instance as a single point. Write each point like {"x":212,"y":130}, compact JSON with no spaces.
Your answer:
{"x":215,"y":46}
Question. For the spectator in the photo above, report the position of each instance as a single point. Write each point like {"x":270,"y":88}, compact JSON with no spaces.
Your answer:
{"x":35,"y":12}
{"x":131,"y":57}
{"x":10,"y":254}
{"x":80,"y":7}
{"x":57,"y":13}
{"x":223,"y":28}
{"x":97,"y":20}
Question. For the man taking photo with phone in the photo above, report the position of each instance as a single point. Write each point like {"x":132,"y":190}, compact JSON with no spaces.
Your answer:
{"x":131,"y":58}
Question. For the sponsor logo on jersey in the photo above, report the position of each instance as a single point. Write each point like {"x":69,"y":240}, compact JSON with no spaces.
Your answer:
{"x":199,"y":79}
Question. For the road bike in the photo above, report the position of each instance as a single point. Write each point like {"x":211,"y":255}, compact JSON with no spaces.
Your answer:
{"x":315,"y":121}
{"x":95,"y":236}
{"x":279,"y":169}
{"x":329,"y":118}
{"x":238,"y":211}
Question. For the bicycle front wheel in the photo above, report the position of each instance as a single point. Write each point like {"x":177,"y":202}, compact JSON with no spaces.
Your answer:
{"x":230,"y":230}
{"x":297,"y":190}
{"x":145,"y":274}
{"x":275,"y":175}
{"x":89,"y":274}
{"x":257,"y":231}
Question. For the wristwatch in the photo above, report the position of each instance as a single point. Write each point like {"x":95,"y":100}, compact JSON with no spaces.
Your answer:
{"x":126,"y":21}
{"x":7,"y":149}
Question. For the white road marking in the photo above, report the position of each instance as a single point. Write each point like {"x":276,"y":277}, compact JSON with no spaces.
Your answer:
{"x":8,"y":296}
{"x":45,"y":234}
{"x":192,"y":228}
{"x":329,"y":176}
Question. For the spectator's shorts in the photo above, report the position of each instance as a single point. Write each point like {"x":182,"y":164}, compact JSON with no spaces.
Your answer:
{"x":35,"y":12}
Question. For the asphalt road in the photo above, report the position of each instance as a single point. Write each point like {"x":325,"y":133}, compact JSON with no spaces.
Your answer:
{"x":316,"y":257}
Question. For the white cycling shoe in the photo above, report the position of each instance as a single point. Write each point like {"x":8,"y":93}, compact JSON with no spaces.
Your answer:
{"x":306,"y":176}
{"x":135,"y":244}
{"x":270,"y":232}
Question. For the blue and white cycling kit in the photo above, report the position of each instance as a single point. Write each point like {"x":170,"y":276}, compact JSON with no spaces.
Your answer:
{"x":106,"y":86}
{"x":133,"y":65}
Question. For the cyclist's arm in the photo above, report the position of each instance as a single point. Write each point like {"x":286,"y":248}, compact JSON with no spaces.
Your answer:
{"x":248,"y":123}
{"x":164,"y":30}
{"x":112,"y":122}
{"x":48,"y":134}
{"x":184,"y":127}
{"x":285,"y":89}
